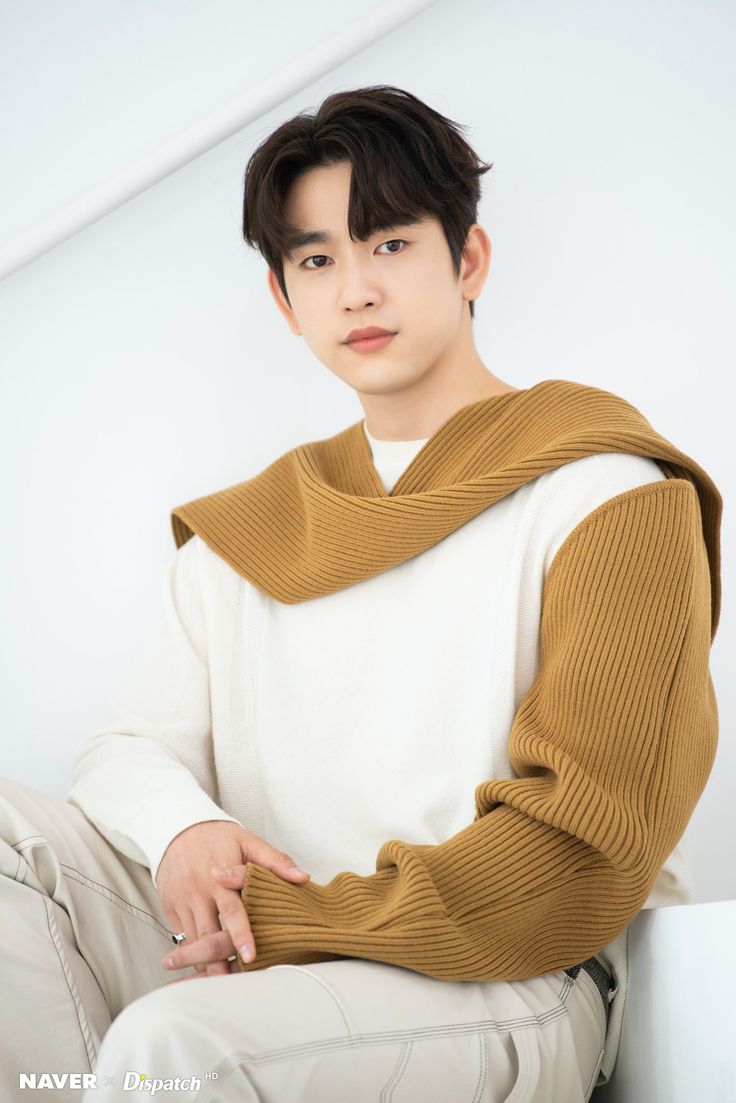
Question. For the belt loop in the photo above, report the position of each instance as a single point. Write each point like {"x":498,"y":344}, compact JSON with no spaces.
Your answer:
{"x":601,"y":977}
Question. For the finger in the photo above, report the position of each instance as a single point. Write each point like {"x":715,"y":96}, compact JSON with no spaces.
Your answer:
{"x":218,"y":969}
{"x":234,"y":876}
{"x":178,"y":925}
{"x":209,"y":949}
{"x":208,"y":924}
{"x":184,"y":923}
{"x":234,"y":920}
{"x":257,"y":850}
{"x":190,"y":926}
{"x":174,"y":921}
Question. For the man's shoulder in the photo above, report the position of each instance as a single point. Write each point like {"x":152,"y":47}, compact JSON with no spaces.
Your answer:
{"x":567,"y":494}
{"x":614,"y":471}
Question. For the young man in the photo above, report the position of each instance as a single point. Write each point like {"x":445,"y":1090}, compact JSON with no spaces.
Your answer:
{"x":452,"y":660}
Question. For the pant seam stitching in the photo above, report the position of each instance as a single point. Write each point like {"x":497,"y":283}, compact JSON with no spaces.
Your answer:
{"x":421,"y":1034}
{"x":327,"y":989}
{"x":73,"y":991}
{"x":96,"y":886}
{"x":483,"y":1072}
{"x":397,"y":1073}
{"x":114,"y":898}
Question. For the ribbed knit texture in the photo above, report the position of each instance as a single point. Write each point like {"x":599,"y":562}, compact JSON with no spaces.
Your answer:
{"x":612,"y":744}
{"x":319,"y":519}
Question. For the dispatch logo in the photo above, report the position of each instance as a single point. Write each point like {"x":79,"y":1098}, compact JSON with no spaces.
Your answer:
{"x":133,"y":1081}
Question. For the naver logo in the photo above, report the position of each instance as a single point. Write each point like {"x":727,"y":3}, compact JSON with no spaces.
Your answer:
{"x":132,"y":1081}
{"x":39,"y":1080}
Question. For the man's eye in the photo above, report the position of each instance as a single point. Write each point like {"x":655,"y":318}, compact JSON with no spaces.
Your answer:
{"x":321,"y":256}
{"x":394,"y":241}
{"x":318,"y":256}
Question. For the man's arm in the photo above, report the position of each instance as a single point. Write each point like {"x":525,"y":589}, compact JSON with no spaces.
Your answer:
{"x":148,"y":773}
{"x":612,"y":744}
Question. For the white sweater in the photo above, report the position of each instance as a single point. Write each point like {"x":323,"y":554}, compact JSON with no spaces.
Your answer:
{"x":242,"y":708}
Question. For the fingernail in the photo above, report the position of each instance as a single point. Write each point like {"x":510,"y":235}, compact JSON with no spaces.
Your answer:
{"x":295,"y":869}
{"x":168,"y":962}
{"x":246,"y":953}
{"x":221,"y":871}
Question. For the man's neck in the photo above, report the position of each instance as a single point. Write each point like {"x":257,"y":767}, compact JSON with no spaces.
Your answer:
{"x":403,"y":418}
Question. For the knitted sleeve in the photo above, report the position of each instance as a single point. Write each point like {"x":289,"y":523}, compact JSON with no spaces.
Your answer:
{"x":612,"y":746}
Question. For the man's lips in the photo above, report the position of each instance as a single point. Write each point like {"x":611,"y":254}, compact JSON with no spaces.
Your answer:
{"x":367,"y":332}
{"x":367,"y":344}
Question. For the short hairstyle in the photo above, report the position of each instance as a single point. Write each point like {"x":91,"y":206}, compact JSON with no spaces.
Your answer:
{"x":408,"y":162}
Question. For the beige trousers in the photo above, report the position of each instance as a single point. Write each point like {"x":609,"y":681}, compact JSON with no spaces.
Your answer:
{"x":84,"y":994}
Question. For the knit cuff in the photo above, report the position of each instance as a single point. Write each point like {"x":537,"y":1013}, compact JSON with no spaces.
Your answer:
{"x":307,"y":922}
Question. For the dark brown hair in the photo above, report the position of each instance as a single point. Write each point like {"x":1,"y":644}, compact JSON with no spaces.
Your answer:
{"x":409,"y":162}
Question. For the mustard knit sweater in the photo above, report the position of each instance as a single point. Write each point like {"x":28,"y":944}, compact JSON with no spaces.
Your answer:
{"x":614,"y":741}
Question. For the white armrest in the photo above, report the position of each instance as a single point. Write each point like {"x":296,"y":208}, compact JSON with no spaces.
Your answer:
{"x":678,"y":1041}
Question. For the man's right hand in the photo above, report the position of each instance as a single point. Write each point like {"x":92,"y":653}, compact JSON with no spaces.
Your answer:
{"x":196,"y":900}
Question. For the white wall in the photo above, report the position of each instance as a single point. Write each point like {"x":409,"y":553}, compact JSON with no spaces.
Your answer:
{"x":143,"y":362}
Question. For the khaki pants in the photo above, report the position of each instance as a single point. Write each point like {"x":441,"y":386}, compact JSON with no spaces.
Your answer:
{"x":84,"y":992}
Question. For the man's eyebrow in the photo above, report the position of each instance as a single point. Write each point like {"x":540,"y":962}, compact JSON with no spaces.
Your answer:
{"x":299,"y":238}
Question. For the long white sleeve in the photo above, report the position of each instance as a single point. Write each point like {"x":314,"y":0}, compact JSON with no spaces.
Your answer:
{"x":149,"y":773}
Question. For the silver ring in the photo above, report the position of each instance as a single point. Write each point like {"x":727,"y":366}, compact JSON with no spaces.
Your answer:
{"x":177,"y":938}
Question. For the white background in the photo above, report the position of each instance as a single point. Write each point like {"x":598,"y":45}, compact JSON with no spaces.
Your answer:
{"x":143,"y":363}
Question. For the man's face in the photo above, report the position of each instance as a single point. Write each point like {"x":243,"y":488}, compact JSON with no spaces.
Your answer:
{"x":401,"y":280}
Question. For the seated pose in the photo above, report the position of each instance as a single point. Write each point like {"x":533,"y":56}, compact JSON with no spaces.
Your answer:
{"x":423,"y":722}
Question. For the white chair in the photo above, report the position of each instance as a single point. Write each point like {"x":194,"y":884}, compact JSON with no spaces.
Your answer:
{"x":678,"y":1040}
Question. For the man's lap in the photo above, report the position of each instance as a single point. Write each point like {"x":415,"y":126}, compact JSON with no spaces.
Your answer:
{"x":362,"y":1030}
{"x":348,"y":1028}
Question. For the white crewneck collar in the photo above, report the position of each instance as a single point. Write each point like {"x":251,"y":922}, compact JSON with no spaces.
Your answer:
{"x":392,"y":457}
{"x":393,"y":451}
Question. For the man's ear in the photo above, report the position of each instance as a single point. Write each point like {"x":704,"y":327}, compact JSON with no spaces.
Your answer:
{"x":281,"y":302}
{"x":476,"y":260}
